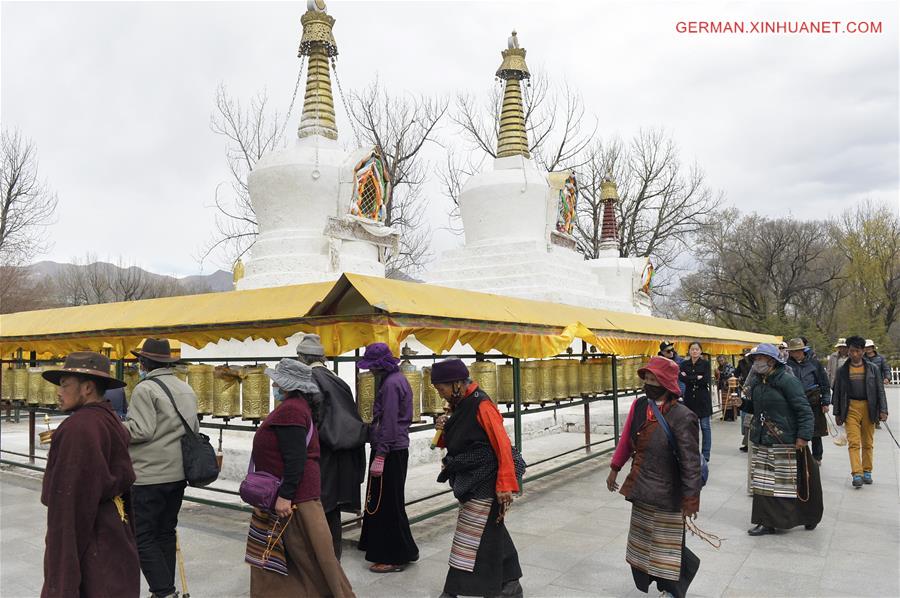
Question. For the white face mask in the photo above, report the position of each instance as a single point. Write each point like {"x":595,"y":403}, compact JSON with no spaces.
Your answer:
{"x":761,"y":367}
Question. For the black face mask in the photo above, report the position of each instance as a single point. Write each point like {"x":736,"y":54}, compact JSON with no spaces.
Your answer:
{"x":654,"y":393}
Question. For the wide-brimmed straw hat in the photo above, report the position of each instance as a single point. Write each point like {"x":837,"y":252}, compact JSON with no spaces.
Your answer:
{"x":291,"y":374}
{"x":841,"y":342}
{"x":870,"y":343}
{"x":156,"y":349}
{"x":84,"y":363}
{"x":796,"y":344}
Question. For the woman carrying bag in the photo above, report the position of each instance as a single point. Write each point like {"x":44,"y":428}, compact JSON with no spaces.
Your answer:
{"x":289,"y":546}
{"x":664,"y":482}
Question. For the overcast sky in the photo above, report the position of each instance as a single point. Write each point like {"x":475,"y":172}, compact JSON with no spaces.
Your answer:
{"x":117,"y":97}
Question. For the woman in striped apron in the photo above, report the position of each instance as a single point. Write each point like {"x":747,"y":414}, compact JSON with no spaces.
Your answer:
{"x":664,"y":488}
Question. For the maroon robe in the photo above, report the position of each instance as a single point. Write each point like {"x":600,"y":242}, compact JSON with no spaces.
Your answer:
{"x":89,"y":550}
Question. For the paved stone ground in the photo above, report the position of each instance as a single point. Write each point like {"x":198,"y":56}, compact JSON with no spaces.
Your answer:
{"x":571,"y":534}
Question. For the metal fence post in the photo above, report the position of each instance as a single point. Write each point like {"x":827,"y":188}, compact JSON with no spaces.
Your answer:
{"x":615,"y":392}
{"x":517,"y":403}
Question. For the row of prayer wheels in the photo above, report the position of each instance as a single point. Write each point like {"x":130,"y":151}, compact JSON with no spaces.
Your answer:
{"x":541,"y":381}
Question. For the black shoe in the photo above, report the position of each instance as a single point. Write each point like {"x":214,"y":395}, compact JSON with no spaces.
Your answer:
{"x":743,"y":449}
{"x":810,"y":526}
{"x":761,"y":530}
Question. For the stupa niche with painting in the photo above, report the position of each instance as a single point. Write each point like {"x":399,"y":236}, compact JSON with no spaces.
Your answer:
{"x":518,"y":224}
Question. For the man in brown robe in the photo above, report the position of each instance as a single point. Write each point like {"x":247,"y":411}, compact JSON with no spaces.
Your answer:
{"x":90,"y":548}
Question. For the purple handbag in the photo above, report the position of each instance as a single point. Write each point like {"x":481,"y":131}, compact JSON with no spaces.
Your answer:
{"x":260,"y":488}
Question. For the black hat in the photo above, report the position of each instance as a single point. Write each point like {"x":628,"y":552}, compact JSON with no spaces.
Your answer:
{"x":666,"y":346}
{"x":156,"y":349}
{"x":85,"y":363}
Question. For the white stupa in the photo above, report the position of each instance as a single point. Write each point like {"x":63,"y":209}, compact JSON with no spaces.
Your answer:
{"x":319,"y":209}
{"x":518,"y":222}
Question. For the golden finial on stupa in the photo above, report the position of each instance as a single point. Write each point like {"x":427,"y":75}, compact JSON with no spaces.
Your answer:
{"x":238,"y":272}
{"x":608,"y":190}
{"x":513,"y":139}
{"x":319,"y":46}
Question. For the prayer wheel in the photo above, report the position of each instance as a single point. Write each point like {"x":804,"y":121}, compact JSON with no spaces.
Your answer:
{"x":621,"y":375}
{"x":181,"y":372}
{"x":20,"y":384}
{"x":131,"y":377}
{"x":432,"y":403}
{"x":545,"y":370}
{"x":226,"y":392}
{"x":414,"y":377}
{"x":254,"y":393}
{"x":560,"y":377}
{"x":505,"y":384}
{"x":485,"y":374}
{"x":365,"y":395}
{"x":49,"y":395}
{"x":572,"y":378}
{"x":606,"y":373}
{"x":531,"y":382}
{"x":585,"y":382}
{"x":200,"y":379}
{"x":6,"y":391}
{"x":35,"y":386}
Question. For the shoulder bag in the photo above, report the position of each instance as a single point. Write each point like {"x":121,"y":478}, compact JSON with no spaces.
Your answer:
{"x":704,"y":466}
{"x":260,"y":488}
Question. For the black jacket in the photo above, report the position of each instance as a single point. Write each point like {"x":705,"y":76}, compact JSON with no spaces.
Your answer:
{"x":875,"y":397}
{"x":696,"y":391}
{"x":811,"y":374}
{"x":781,"y":413}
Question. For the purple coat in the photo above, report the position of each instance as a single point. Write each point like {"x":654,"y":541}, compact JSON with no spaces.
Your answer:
{"x":391,"y":415}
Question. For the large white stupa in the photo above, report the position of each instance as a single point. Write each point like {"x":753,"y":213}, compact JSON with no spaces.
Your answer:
{"x":518,"y":223}
{"x":320,"y":210}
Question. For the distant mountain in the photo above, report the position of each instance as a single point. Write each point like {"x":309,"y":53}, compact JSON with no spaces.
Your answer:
{"x":218,"y":281}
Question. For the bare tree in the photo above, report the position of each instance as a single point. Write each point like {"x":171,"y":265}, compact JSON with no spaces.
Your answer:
{"x":250,"y":131}
{"x":400,"y":127}
{"x":27,"y":204}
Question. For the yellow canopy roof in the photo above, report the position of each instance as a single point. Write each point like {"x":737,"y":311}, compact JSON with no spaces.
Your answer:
{"x":362,"y":309}
{"x":358,"y":310}
{"x":274,"y":313}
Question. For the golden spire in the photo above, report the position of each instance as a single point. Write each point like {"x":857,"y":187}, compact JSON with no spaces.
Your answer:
{"x":318,"y":44}
{"x":513,"y":139}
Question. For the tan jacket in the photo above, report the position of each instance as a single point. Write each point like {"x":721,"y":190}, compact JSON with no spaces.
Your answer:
{"x":156,"y":430}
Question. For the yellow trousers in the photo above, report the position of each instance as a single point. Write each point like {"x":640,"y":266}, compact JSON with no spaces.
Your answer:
{"x":860,"y":435}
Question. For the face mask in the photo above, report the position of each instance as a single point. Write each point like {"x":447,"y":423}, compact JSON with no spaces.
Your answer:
{"x":279,"y":394}
{"x":654,"y":392}
{"x":761,"y":367}
{"x":142,"y":374}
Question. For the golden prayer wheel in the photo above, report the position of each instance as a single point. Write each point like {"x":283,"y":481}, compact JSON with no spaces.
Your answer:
{"x":200,"y":379}
{"x":254,"y":393}
{"x":432,"y":403}
{"x":530,"y":372}
{"x":35,"y":386}
{"x":49,"y":394}
{"x":414,"y":377}
{"x":546,"y":374}
{"x":131,"y":376}
{"x":560,"y":379}
{"x":181,"y":372}
{"x":585,"y":380}
{"x":505,"y":384}
{"x":226,"y":392}
{"x":572,"y":378}
{"x":20,"y":384}
{"x":606,"y":374}
{"x":6,"y":391}
{"x":365,"y":395}
{"x":485,"y":374}
{"x":732,"y":384}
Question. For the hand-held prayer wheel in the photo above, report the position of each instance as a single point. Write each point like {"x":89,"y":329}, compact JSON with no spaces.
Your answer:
{"x":432,"y":403}
{"x":254,"y":393}
{"x":20,"y":384}
{"x":226,"y":392}
{"x":485,"y":374}
{"x":505,"y":383}
{"x":35,"y":386}
{"x":530,"y":372}
{"x":365,"y":395}
{"x":560,"y":379}
{"x":414,"y":377}
{"x":200,"y":379}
